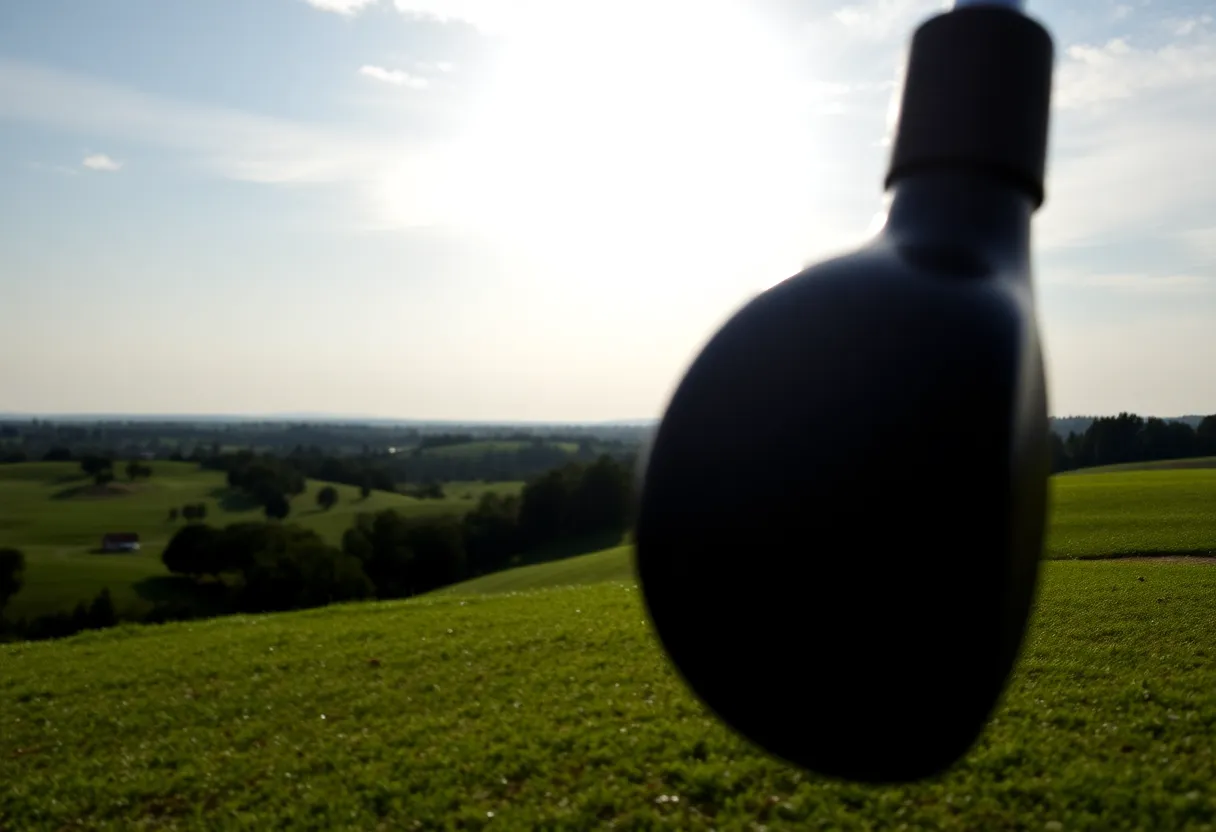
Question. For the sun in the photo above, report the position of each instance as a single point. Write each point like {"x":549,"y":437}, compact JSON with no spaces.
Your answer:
{"x":652,"y":136}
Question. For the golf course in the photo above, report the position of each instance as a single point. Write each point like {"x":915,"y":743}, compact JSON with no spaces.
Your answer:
{"x":538,"y":697}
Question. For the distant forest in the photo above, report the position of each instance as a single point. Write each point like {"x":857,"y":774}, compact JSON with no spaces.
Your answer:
{"x":1113,"y":440}
{"x":381,"y":456}
{"x":387,"y":456}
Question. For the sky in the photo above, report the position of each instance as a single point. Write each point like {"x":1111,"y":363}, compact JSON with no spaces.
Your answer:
{"x":540,"y":210}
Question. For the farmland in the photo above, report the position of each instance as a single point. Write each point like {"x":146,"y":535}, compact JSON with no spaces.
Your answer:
{"x":57,"y":517}
{"x":555,"y":708}
{"x":52,"y":513}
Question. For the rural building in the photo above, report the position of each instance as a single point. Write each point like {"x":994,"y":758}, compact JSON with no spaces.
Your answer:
{"x":120,"y":542}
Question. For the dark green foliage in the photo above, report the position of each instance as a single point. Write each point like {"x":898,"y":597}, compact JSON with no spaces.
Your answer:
{"x":173,"y":515}
{"x":1115,"y":440}
{"x":93,"y":465}
{"x":365,"y":490}
{"x":276,"y":506}
{"x":101,"y":612}
{"x":57,"y":454}
{"x":193,"y":551}
{"x":296,"y":569}
{"x":491,"y":533}
{"x":194,"y":511}
{"x":263,"y":477}
{"x":96,"y":615}
{"x":137,"y":470}
{"x":327,"y":497}
{"x":405,"y":556}
{"x":104,"y":477}
{"x":12,"y":574}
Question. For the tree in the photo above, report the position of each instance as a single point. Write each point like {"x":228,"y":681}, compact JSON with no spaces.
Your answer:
{"x":12,"y":574}
{"x":136,"y":469}
{"x":104,"y":477}
{"x":101,"y":612}
{"x":277,"y":507}
{"x":200,"y":511}
{"x":173,"y":515}
{"x":327,"y":497}
{"x":1205,"y":435}
{"x":365,"y":490}
{"x":193,"y":551}
{"x":188,"y":513}
{"x":93,"y":465}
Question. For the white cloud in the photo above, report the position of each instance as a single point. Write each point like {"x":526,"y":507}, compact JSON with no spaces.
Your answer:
{"x":344,"y":7}
{"x":1140,"y":283}
{"x":397,"y":77}
{"x":1132,"y":155}
{"x":100,"y":161}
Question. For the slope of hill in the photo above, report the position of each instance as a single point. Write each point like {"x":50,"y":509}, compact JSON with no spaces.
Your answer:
{"x":556,"y":709}
{"x":615,"y":564}
{"x":57,"y":517}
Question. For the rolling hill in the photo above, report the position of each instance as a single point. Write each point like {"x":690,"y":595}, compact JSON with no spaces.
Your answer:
{"x":57,"y":517}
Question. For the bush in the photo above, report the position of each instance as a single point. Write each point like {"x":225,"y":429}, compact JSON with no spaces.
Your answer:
{"x":327,"y":497}
{"x":12,"y":574}
{"x":193,"y":551}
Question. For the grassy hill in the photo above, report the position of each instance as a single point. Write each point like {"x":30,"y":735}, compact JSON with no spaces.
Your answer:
{"x":1154,"y":465}
{"x":486,"y":446}
{"x":556,"y":709}
{"x":50,"y":512}
{"x":57,"y":517}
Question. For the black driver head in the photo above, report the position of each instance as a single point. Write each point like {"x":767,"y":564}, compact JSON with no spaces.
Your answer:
{"x":842,"y":510}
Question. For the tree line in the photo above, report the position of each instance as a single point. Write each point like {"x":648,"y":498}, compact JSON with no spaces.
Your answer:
{"x":1112,"y":440}
{"x":274,"y":566}
{"x":387,"y":554}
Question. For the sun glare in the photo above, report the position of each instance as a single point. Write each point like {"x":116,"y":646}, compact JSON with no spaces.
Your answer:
{"x":648,"y":135}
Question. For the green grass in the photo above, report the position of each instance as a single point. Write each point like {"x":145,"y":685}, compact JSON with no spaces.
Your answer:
{"x":556,"y":709}
{"x":1140,"y":512}
{"x":488,"y":446}
{"x":46,"y":512}
{"x":1155,"y":465}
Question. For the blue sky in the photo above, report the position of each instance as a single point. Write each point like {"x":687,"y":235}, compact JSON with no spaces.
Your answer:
{"x":540,"y":209}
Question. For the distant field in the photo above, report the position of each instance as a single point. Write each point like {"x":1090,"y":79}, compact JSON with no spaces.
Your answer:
{"x":556,"y":709}
{"x":46,"y":510}
{"x":1157,"y":465}
{"x":487,"y":446}
{"x":1148,"y":512}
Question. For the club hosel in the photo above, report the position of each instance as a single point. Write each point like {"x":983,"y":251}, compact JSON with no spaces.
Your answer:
{"x":976,"y":99}
{"x":972,"y":224}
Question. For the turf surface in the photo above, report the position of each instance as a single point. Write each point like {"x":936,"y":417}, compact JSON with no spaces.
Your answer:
{"x":556,"y":709}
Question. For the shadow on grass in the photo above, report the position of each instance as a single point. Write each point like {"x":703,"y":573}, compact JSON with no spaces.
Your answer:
{"x":206,"y":597}
{"x":90,"y":490}
{"x":233,"y":499}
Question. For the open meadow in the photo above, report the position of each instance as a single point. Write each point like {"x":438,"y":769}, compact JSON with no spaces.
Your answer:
{"x":52,"y":512}
{"x":555,"y":708}
{"x":55,"y":514}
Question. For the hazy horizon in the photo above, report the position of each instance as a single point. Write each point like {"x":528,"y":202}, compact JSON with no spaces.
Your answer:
{"x":463,"y":211}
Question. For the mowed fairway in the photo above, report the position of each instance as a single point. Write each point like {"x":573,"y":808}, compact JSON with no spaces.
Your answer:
{"x":1146,"y":512}
{"x":48,"y":510}
{"x":556,"y":709}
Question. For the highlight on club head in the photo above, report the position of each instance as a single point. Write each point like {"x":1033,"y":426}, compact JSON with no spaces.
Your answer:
{"x":839,"y":572}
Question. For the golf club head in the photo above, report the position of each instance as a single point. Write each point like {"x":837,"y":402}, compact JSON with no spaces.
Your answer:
{"x":842,"y":510}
